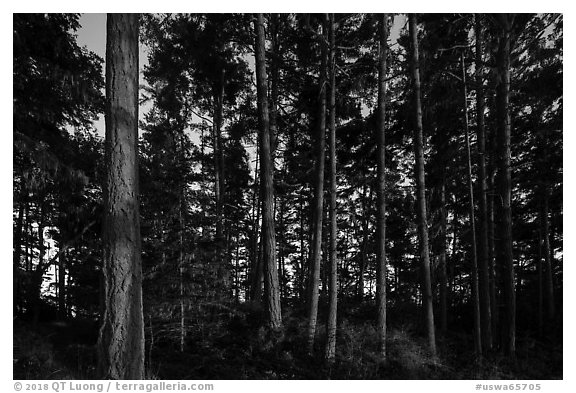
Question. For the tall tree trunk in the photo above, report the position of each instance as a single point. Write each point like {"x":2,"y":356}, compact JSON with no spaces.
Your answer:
{"x":256,"y":270}
{"x":317,"y":208}
{"x":62,"y":262}
{"x":540,"y":285}
{"x":474,"y":267}
{"x":271,"y":286}
{"x":218,"y":98}
{"x":28,"y":238}
{"x":365,"y":200}
{"x":38,"y":272}
{"x":504,"y":255}
{"x":302,"y":276}
{"x":181,"y":269}
{"x":381,"y":188}
{"x":222,"y":270}
{"x":548,"y":281}
{"x":121,"y":337}
{"x":443,"y":276}
{"x":17,"y":255}
{"x":281,"y":250}
{"x":274,"y":76}
{"x":18,"y":236}
{"x":333,"y":271}
{"x":483,"y":254}
{"x":421,"y":192}
{"x":237,"y":285}
{"x":491,"y":197}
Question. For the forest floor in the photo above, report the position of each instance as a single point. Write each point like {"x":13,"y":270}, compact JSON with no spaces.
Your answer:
{"x":237,"y":348}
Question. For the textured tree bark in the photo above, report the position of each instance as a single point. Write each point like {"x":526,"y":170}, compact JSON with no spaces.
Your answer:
{"x":271,"y":286}
{"x":318,"y":203}
{"x":333,"y":271}
{"x":483,"y":254}
{"x":504,"y":254}
{"x":381,"y":187}
{"x":121,"y":337}
{"x":474,"y":267}
{"x":421,"y":192}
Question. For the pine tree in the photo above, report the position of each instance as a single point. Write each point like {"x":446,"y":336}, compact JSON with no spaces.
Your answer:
{"x":121,"y":338}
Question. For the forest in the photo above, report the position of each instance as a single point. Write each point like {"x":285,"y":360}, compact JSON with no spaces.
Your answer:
{"x":288,"y":196}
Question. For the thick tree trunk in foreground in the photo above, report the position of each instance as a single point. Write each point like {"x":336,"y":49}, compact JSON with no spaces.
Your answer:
{"x":271,"y":285}
{"x":121,"y":338}
{"x":474,"y":267}
{"x":504,"y":255}
{"x":333,"y":271}
{"x":318,"y":203}
{"x":483,"y":254}
{"x":421,"y":192}
{"x":381,"y":188}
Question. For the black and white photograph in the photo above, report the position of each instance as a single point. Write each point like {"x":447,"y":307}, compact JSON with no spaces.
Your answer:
{"x":287,"y":196}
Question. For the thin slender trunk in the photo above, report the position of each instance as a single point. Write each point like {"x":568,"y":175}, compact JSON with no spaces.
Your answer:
{"x":218,"y":98}
{"x":483,"y":254}
{"x":28,"y":239}
{"x":333,"y":271}
{"x":38,"y":272}
{"x":274,"y":77}
{"x":381,"y":188}
{"x":302,"y":251}
{"x":121,"y":337}
{"x":257,"y":272}
{"x":237,"y":270}
{"x":281,"y":246}
{"x":318,"y":203}
{"x":504,"y":253}
{"x":443,"y":275}
{"x":540,"y":286}
{"x":491,"y":241}
{"x":62,"y":284}
{"x":364,"y":201}
{"x":181,"y":270}
{"x":18,"y":236}
{"x":222,"y":269}
{"x":17,"y":256}
{"x":474,"y":267}
{"x":548,"y":282}
{"x":421,"y":192}
{"x":271,"y":286}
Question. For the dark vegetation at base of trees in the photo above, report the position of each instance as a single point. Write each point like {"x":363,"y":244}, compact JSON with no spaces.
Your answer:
{"x":236,"y":346}
{"x":308,"y":196}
